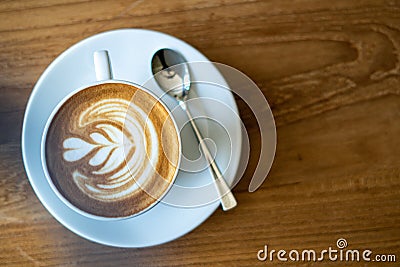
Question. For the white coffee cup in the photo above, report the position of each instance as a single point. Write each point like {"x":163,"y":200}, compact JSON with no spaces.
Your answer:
{"x":103,"y":75}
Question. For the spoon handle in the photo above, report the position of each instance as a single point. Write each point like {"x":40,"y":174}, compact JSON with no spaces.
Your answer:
{"x":227,"y":199}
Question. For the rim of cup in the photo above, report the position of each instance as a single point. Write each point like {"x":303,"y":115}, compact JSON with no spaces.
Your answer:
{"x":44,"y":162}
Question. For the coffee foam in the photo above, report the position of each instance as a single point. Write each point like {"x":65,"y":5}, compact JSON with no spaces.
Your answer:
{"x":109,"y":158}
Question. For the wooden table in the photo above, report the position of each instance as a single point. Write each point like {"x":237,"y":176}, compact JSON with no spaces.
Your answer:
{"x":329,"y":69}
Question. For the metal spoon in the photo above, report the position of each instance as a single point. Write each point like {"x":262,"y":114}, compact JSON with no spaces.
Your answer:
{"x":176,"y":82}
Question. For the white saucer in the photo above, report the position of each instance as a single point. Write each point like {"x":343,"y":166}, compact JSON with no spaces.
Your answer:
{"x":130,"y":51}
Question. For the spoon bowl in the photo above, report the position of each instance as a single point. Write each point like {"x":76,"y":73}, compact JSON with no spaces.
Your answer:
{"x":171,"y":72}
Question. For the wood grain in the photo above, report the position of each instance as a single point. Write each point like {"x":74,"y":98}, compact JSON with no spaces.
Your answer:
{"x":331,"y":73}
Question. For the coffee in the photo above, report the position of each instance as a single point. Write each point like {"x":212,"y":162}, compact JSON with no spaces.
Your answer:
{"x":112,"y":150}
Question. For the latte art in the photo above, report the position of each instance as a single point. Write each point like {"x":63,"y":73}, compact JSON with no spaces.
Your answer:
{"x":120,"y":175}
{"x":112,"y":150}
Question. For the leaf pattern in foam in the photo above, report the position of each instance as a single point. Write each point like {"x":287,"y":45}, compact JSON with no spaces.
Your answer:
{"x":110,"y":153}
{"x":76,"y":148}
{"x":100,"y":156}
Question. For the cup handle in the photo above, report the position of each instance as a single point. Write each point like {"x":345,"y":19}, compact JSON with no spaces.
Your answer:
{"x":102,"y":65}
